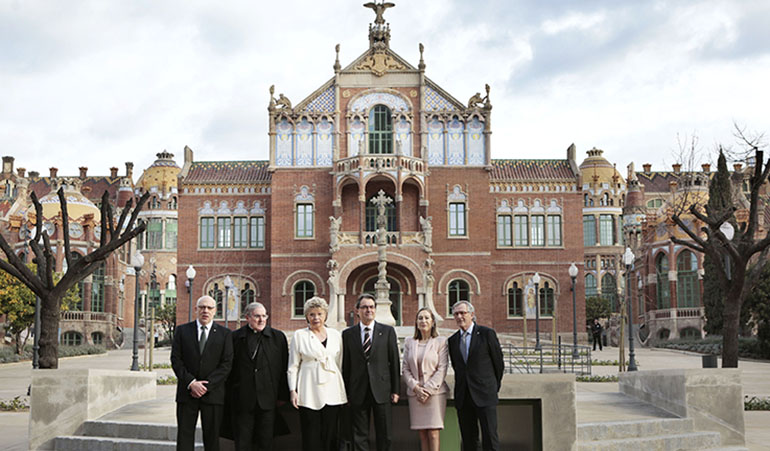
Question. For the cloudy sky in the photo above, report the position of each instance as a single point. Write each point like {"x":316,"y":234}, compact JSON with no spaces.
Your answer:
{"x":97,"y":83}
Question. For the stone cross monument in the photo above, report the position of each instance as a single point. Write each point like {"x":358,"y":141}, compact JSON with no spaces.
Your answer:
{"x":382,"y":287}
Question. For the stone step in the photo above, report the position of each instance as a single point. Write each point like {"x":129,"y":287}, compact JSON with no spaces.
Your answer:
{"x":79,"y":443}
{"x":132,"y":430}
{"x":629,"y":429}
{"x":673,"y":442}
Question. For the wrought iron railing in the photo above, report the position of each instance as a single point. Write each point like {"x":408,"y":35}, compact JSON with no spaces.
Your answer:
{"x":550,"y":358}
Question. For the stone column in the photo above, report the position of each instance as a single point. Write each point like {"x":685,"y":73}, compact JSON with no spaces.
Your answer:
{"x":382,"y":287}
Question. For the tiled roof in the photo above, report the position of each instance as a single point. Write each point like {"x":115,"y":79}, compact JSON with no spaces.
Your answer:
{"x":659,"y":182}
{"x":97,"y":185}
{"x":531,"y":170}
{"x":228,"y":172}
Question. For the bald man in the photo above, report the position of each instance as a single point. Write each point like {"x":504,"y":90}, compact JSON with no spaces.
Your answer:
{"x":201,"y":355}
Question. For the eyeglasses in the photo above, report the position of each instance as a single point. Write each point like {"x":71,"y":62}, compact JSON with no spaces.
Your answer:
{"x":207,"y":307}
{"x":461,"y":313}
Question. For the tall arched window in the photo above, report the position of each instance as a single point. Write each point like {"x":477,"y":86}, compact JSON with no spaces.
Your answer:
{"x":515,"y":300}
{"x":661,"y":273}
{"x":371,"y":214}
{"x":546,"y":299}
{"x":459,"y":290}
{"x":687,"y":289}
{"x":303,"y":290}
{"x":380,"y":130}
{"x":72,"y":338}
{"x":97,"y":289}
{"x":247,"y":296}
{"x":590,"y":286}
{"x":609,"y":291}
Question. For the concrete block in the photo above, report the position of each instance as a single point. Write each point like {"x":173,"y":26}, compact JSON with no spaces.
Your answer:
{"x":631,"y":429}
{"x":62,"y":400}
{"x":713,"y":398}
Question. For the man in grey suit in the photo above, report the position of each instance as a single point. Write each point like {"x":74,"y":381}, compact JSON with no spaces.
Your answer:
{"x":371,"y":371}
{"x":478,"y":363}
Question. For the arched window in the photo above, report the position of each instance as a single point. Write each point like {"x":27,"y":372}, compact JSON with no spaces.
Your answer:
{"x":459,"y":290}
{"x":663,"y":334}
{"x":303,"y":290}
{"x":687,"y":287}
{"x":71,"y":338}
{"x":515,"y":300}
{"x":371,"y":215}
{"x":97,"y":338}
{"x":218,"y":295}
{"x":173,"y":203}
{"x":585,"y":199}
{"x":546,"y":299}
{"x":380,"y":130}
{"x":97,"y":289}
{"x":661,"y":273}
{"x":609,"y":291}
{"x":590,"y":286}
{"x":247,"y":296}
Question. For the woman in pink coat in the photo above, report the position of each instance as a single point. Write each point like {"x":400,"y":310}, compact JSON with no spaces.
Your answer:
{"x":426,"y":359}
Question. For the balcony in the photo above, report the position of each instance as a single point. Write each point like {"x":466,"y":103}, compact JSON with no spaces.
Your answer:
{"x":88,"y":316}
{"x":685,"y":312}
{"x":379,"y":163}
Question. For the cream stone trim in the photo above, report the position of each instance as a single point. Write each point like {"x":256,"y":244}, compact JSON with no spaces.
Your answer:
{"x":442,"y":282}
{"x":290,"y":278}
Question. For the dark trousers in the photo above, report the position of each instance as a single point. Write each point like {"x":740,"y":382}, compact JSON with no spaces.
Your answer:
{"x":187,"y":417}
{"x":360,"y":417}
{"x":469,"y":416}
{"x":254,"y":430}
{"x":319,"y":428}
{"x":597,"y":339}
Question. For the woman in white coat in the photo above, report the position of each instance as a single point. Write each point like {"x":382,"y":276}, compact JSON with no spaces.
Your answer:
{"x":426,"y":359}
{"x":315,"y":381}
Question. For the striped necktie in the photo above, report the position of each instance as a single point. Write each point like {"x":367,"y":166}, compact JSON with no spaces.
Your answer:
{"x":367,"y":343}
{"x":464,"y":345}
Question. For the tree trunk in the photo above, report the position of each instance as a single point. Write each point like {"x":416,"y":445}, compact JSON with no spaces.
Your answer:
{"x":732,"y":324}
{"x":50,"y":308}
{"x":19,"y":343}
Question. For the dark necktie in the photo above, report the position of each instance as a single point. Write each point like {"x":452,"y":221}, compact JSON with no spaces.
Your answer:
{"x":367,"y":343}
{"x":464,"y":346}
{"x":202,"y":341}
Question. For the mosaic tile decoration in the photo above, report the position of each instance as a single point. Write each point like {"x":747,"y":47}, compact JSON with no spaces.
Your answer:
{"x":365,"y":102}
{"x":435,"y":102}
{"x":323,"y":103}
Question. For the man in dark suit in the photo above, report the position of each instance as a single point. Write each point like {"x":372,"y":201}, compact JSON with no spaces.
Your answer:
{"x":371,"y":370}
{"x":201,"y":356}
{"x":478,"y":363}
{"x":258,"y":379}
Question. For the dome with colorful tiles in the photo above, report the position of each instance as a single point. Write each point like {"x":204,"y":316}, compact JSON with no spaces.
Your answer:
{"x":78,"y":205}
{"x":161,"y":174}
{"x":597,"y":169}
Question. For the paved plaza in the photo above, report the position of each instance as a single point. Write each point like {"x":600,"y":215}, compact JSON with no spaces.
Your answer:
{"x":596,"y":401}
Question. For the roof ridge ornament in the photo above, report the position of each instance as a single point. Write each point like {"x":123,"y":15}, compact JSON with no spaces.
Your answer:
{"x":379,"y":31}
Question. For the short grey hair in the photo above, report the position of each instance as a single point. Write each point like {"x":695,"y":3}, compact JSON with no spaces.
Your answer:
{"x":471,"y":309}
{"x":205,"y":298}
{"x":315,"y":302}
{"x":253,"y":306}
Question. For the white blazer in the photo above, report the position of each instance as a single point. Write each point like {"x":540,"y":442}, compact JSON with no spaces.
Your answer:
{"x":434,"y":366}
{"x":314,"y":370}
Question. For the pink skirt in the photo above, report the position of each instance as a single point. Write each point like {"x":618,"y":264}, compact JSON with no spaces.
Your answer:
{"x":429,"y":415}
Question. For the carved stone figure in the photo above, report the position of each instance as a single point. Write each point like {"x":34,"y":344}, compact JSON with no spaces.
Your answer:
{"x":476,"y":101}
{"x":334,"y":231}
{"x":283,"y":102}
{"x":272,"y":99}
{"x":379,"y":10}
{"x":427,"y":231}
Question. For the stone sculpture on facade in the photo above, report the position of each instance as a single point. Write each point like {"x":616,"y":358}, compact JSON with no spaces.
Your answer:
{"x":476,"y":101}
{"x":282,"y":102}
{"x":427,"y":233}
{"x":379,"y":10}
{"x":382,"y":287}
{"x":334,"y":233}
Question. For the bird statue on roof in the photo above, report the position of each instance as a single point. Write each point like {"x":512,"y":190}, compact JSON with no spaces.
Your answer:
{"x":379,"y":9}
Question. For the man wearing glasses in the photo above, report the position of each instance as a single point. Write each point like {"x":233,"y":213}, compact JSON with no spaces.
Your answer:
{"x":201,"y":356}
{"x":478,"y":363}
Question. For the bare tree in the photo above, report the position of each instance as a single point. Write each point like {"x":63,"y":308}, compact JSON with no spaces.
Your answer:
{"x":42,"y":283}
{"x":741,"y":250}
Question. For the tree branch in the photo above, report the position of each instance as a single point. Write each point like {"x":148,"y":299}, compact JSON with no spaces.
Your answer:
{"x":689,"y":232}
{"x":47,"y":270}
{"x":135,"y":213}
{"x":104,"y":213}
{"x":65,"y":226}
{"x":14,"y":265}
{"x":689,"y":244}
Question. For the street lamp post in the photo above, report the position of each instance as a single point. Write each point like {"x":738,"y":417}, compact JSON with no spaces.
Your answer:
{"x":573,"y":272}
{"x":190,"y":277}
{"x":728,"y":231}
{"x":137,"y":263}
{"x":228,"y":287}
{"x":536,"y":281}
{"x":628,"y":259}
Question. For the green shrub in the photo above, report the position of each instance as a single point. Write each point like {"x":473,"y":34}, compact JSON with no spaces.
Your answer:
{"x":755,"y":403}
{"x":167,"y":380}
{"x":14,"y":405}
{"x":596,"y":378}
{"x":71,"y":351}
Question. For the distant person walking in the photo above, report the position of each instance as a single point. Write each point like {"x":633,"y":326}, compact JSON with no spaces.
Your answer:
{"x":426,"y":358}
{"x":596,"y":333}
{"x":478,"y":363}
